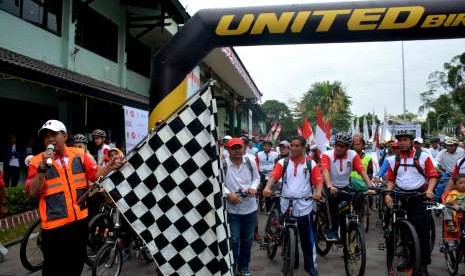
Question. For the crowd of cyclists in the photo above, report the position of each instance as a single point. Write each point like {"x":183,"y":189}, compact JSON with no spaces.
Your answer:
{"x":405,"y":178}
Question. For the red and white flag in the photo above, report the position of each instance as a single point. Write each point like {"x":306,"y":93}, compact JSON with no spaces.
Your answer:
{"x":307,"y":131}
{"x":277,"y":132}
{"x":320,"y":133}
{"x":328,"y":130}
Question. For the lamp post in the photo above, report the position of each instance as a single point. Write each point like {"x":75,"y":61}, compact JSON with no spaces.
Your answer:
{"x":437,"y":120}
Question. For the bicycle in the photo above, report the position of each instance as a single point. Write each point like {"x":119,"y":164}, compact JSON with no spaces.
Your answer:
{"x":402,"y":242}
{"x":352,"y":236}
{"x":283,"y":231}
{"x":109,"y":258}
{"x":30,"y":251}
{"x":273,"y":222}
{"x":455,"y":255}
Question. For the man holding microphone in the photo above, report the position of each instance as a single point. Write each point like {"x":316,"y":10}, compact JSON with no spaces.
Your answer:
{"x":58,"y":177}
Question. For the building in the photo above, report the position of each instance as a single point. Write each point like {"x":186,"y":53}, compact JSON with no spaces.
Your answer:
{"x":82,"y":61}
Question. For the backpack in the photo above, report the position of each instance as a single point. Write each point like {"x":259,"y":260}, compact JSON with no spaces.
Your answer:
{"x":286,"y":164}
{"x":416,"y":164}
{"x":461,"y":163}
{"x":247,"y":161}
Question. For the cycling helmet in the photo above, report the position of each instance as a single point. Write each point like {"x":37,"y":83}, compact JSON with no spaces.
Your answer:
{"x":343,"y":138}
{"x":405,"y":133}
{"x":80,"y":138}
{"x":99,"y":132}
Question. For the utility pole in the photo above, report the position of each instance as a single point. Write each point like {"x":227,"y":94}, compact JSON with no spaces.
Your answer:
{"x":403,"y":80}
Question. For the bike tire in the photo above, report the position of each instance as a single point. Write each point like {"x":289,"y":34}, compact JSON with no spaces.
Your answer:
{"x":106,"y":259}
{"x":453,"y":259}
{"x":322,"y":224}
{"x":355,"y":248}
{"x":289,"y":251}
{"x":96,"y":237}
{"x":271,"y":235}
{"x":403,"y":232}
{"x":366,"y":216}
{"x":32,"y":238}
{"x":432,"y":233}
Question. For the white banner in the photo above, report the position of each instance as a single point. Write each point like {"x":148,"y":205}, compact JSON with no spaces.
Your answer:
{"x":193,"y":81}
{"x":416,"y":127}
{"x":136,"y":125}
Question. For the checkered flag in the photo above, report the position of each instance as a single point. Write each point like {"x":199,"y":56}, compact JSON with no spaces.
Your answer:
{"x":169,"y":191}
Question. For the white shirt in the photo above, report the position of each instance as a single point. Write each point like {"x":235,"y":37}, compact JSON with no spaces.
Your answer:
{"x":408,"y":177}
{"x":434,"y":152}
{"x":341,"y":170}
{"x":240,"y":178}
{"x":447,"y":160}
{"x":266,"y":160}
{"x":297,"y":186}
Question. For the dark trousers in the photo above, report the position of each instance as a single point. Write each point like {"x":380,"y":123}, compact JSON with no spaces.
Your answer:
{"x":11,"y":176}
{"x":333,"y":204}
{"x":242,"y":230}
{"x":421,"y":220}
{"x":65,"y":249}
{"x":307,"y":243}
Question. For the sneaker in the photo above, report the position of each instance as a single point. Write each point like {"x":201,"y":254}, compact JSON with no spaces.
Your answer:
{"x":246,"y":272}
{"x":331,"y":236}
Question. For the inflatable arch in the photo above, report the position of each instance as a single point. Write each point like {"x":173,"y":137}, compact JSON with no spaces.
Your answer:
{"x":383,"y":20}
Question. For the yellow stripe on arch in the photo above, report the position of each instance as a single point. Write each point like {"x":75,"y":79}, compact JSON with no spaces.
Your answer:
{"x":169,"y":104}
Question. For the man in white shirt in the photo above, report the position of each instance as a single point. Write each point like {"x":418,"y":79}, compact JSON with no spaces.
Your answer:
{"x":434,"y":149}
{"x":448,"y":157}
{"x":241,"y":182}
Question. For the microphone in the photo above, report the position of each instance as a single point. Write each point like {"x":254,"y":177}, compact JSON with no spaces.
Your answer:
{"x":50,"y":148}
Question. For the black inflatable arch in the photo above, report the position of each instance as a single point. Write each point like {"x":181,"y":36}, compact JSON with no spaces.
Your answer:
{"x":383,"y":20}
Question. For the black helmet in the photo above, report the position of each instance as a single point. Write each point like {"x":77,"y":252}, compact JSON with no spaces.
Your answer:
{"x":268,"y":142}
{"x":343,"y":138}
{"x":99,"y":132}
{"x":435,"y":140}
{"x":80,"y":138}
{"x":405,"y":133}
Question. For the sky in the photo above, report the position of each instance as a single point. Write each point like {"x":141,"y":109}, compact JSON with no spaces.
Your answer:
{"x":370,"y":72}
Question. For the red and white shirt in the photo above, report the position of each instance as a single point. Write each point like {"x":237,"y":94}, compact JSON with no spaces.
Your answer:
{"x":103,"y":155}
{"x":408,"y":177}
{"x":458,"y":170}
{"x":297,"y":183}
{"x":340,"y":168}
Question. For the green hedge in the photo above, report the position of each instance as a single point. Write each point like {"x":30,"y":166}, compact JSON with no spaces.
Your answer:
{"x":19,"y":201}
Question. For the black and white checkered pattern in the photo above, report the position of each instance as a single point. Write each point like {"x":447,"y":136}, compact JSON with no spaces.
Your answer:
{"x":170,"y":193}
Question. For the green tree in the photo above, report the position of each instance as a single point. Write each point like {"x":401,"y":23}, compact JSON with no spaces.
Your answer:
{"x":333,"y":101}
{"x":278,"y":111}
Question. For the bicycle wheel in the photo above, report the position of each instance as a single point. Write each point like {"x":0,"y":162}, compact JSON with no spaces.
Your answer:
{"x":108,"y":261}
{"x":355,"y":251}
{"x":30,"y":252}
{"x":453,"y":259}
{"x":403,"y":250}
{"x":321,"y":225}
{"x":289,"y":251}
{"x":364,"y":215}
{"x":98,"y":229}
{"x":432,"y":234}
{"x":271,"y":233}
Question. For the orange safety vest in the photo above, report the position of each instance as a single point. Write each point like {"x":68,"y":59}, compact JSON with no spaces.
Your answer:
{"x":62,"y":189}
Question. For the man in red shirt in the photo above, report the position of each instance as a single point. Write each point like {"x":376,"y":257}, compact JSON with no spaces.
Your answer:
{"x":301,"y":177}
{"x":413,"y":171}
{"x":337,"y":166}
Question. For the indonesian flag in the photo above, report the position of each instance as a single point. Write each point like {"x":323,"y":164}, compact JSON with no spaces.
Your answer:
{"x":277,"y":132}
{"x":376,"y":143}
{"x":328,"y":130}
{"x":307,"y":131}
{"x":320,"y":135}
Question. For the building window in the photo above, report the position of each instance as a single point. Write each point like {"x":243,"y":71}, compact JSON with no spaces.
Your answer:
{"x":43,"y":13}
{"x":138,"y":55}
{"x":95,"y":32}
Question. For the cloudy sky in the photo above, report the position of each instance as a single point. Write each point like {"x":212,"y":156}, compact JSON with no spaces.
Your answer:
{"x":370,"y":72}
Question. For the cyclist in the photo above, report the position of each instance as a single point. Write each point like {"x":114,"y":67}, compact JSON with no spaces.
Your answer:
{"x":413,"y":171}
{"x":102,"y":149}
{"x":337,"y":166}
{"x":300,"y":177}
{"x":447,"y":160}
{"x":80,"y":141}
{"x":241,"y":176}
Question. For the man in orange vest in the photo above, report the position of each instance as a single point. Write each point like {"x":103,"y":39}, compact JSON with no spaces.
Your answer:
{"x":58,"y":177}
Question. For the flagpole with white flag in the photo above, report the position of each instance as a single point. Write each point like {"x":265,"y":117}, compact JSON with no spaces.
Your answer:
{"x":320,"y":135}
{"x":357,"y":126}
{"x":366,"y":135}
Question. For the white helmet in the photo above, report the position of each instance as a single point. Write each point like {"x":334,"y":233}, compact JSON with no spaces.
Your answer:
{"x":227,"y":137}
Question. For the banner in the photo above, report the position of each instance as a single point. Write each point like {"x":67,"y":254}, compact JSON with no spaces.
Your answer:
{"x":135,"y":126}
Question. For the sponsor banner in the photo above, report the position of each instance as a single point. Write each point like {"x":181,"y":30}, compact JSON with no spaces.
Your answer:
{"x":135,"y":126}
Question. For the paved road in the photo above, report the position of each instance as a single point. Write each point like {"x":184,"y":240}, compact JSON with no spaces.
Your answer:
{"x":331,"y":265}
